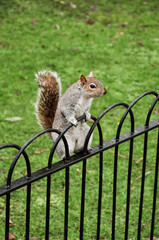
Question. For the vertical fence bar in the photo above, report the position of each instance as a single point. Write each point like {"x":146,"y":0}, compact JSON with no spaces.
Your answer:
{"x":128,"y":189}
{"x":48,"y":207}
{"x":7,"y":216}
{"x":142,"y":185}
{"x":28,"y":212}
{"x":155,"y":190}
{"x":100,"y":194}
{"x":66,"y":203}
{"x":83,"y":199}
{"x":114,"y":191}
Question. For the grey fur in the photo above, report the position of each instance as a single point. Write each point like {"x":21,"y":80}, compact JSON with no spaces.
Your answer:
{"x":72,"y":104}
{"x":75,"y":102}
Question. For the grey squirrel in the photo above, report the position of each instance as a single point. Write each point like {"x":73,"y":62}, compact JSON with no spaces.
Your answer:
{"x":56,"y":111}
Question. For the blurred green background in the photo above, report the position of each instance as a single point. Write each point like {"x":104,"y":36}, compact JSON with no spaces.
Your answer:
{"x":119,"y":41}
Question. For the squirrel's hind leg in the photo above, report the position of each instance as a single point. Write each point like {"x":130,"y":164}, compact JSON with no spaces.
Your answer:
{"x":60,"y":149}
{"x":84,"y":129}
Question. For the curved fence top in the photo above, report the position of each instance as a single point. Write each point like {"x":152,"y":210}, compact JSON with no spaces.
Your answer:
{"x":61,"y":135}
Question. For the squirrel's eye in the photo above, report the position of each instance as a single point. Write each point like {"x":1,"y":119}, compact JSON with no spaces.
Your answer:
{"x":92,"y":85}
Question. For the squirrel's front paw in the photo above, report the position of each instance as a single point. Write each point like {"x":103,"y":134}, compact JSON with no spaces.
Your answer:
{"x":88,"y":116}
{"x":74,"y":122}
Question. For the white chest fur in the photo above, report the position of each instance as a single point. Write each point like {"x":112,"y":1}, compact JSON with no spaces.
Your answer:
{"x":83,"y":105}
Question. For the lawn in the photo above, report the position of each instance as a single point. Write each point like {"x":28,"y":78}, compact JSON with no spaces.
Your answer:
{"x":119,"y":41}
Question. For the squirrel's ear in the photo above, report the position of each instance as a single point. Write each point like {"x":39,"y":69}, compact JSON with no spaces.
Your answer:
{"x":91,"y":74}
{"x":83,"y":79}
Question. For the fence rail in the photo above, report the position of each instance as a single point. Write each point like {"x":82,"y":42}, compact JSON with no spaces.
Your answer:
{"x":51,"y":168}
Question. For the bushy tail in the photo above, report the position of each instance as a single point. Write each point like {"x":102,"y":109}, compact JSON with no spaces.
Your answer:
{"x":47,"y":99}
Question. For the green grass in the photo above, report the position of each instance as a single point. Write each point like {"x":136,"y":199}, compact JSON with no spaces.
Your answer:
{"x":119,"y":41}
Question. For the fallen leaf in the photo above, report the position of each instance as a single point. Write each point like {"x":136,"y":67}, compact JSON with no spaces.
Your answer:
{"x":154,"y":238}
{"x":121,"y":33}
{"x":146,"y":174}
{"x":72,"y":5}
{"x":11,"y":223}
{"x":140,"y":45}
{"x":11,"y":236}
{"x":156,"y":39}
{"x":39,"y":151}
{"x":57,"y":26}
{"x":34,"y":22}
{"x":13,"y":119}
{"x":119,"y":154}
{"x":6,"y":158}
{"x":137,"y":161}
{"x":156,"y":111}
{"x":62,"y":2}
{"x":89,"y":21}
{"x":124,"y":24}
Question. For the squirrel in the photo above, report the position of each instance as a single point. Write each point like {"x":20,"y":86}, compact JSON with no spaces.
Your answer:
{"x":55,"y":111}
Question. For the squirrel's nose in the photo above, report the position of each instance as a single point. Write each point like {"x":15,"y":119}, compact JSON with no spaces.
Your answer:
{"x":104,"y":91}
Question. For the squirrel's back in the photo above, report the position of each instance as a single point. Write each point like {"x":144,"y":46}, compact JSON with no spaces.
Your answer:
{"x":48,"y":96}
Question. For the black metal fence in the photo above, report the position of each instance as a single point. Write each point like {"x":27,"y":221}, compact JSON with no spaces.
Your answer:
{"x":100,"y":150}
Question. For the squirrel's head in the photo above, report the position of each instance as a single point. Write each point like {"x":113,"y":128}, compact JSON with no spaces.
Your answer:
{"x":92,"y":87}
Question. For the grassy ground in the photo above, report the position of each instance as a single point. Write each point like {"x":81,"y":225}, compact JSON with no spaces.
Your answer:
{"x":119,"y":41}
